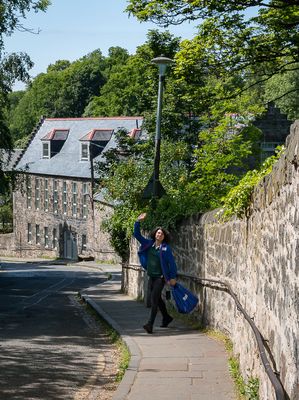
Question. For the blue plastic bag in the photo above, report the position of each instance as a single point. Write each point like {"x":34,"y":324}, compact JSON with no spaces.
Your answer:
{"x":185,"y":300}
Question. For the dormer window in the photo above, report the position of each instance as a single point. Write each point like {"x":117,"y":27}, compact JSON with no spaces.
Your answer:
{"x":46,"y":150}
{"x":94,"y":142}
{"x":84,"y":152}
{"x":53,"y":142}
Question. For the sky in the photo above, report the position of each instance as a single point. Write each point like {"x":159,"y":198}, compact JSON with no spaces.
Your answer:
{"x":70,"y":29}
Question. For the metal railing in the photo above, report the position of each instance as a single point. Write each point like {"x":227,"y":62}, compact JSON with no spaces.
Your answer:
{"x":280,"y":392}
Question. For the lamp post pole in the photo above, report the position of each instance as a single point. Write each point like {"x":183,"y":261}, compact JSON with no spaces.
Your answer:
{"x":91,"y":157}
{"x":162,"y":63}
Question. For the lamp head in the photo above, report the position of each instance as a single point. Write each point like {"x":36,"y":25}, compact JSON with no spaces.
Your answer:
{"x":162,"y":63}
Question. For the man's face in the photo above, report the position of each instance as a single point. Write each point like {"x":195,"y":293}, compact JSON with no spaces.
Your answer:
{"x":159,"y":235}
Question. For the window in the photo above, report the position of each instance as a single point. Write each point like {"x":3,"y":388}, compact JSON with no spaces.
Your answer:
{"x":74,"y":206}
{"x":37,"y":234}
{"x":64,"y":197}
{"x":268,"y":149}
{"x":46,"y":195}
{"x":84,"y":152}
{"x":46,"y":236}
{"x":55,"y":196}
{"x":29,"y":191}
{"x":93,"y":143}
{"x":55,"y":240}
{"x":29,"y":233}
{"x":84,"y":243}
{"x":53,"y":142}
{"x":85,"y":200}
{"x":37,"y":193}
{"x":46,"y":150}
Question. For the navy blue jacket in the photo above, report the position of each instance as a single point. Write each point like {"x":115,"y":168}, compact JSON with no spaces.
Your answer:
{"x":168,"y":264}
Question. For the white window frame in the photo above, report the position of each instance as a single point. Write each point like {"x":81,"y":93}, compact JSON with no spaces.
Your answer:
{"x":28,"y":191}
{"x":46,"y":195}
{"x":84,"y":243}
{"x":29,"y":232}
{"x":74,"y":199}
{"x":55,"y":238}
{"x":46,"y":236}
{"x":64,"y":194}
{"x":46,"y":149}
{"x":84,"y":153}
{"x":37,"y":193}
{"x":55,"y":196}
{"x":37,"y":234}
{"x":85,"y":196}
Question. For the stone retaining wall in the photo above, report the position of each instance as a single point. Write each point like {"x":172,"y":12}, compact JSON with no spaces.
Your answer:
{"x":7,"y":244}
{"x":259,"y":257}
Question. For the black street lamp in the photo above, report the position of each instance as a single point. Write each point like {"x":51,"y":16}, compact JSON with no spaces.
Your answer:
{"x":154,"y":188}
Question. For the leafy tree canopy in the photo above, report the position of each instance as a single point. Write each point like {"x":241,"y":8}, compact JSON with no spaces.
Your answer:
{"x":218,"y":161}
{"x":126,"y":172}
{"x":175,"y":12}
{"x":132,"y":85}
{"x":59,"y":65}
{"x":284,"y":90}
{"x":15,"y":66}
{"x":12,"y":66}
{"x":64,"y":91}
{"x":11,"y":11}
{"x":262,"y":44}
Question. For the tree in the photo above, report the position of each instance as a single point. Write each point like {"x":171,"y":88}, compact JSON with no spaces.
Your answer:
{"x":12,"y":66}
{"x":41,"y":98}
{"x":132,"y":85}
{"x":117,"y":57}
{"x":15,"y":66}
{"x":59,"y":65}
{"x":6,"y":214}
{"x":223,"y":157}
{"x":280,"y":88}
{"x":125,"y":172}
{"x":64,"y":91}
{"x":259,"y":46}
{"x":12,"y":11}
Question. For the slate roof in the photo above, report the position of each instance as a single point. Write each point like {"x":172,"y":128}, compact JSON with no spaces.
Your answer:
{"x":67,"y":162}
{"x":9,"y":158}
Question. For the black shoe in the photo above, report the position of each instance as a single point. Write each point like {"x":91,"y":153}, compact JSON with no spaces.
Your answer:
{"x":166,"y":322}
{"x":148,"y":328}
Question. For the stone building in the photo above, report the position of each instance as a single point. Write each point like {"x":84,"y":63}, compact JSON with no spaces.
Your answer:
{"x":55,"y":211}
{"x":275,"y":128}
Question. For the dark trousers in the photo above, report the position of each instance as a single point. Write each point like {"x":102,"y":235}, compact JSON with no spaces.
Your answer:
{"x":156,"y":286}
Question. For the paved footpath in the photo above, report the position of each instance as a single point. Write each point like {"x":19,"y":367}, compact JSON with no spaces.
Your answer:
{"x":174,"y":363}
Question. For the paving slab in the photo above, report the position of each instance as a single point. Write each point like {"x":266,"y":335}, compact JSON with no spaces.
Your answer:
{"x":174,"y":363}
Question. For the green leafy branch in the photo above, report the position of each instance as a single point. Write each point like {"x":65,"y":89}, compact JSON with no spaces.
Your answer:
{"x":237,"y":201}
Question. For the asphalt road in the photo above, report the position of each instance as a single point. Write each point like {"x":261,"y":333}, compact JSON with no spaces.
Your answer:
{"x":50,"y":348}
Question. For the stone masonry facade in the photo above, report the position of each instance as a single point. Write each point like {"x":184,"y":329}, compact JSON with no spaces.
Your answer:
{"x":55,"y":217}
{"x":258,"y":256}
